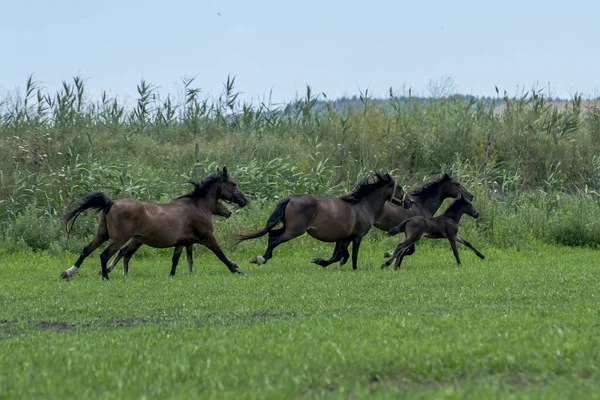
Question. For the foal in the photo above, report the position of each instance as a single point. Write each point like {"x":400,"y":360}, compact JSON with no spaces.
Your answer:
{"x":440,"y":227}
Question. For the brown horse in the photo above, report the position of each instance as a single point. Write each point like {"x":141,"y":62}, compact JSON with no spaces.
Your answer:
{"x":342,"y":219}
{"x":182,"y":222}
{"x":426,"y":200}
{"x":440,"y":227}
{"x":134,"y":244}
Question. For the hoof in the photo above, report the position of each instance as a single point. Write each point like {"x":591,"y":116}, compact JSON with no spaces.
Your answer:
{"x":482,"y":257}
{"x":316,"y":260}
{"x":387,"y":254}
{"x":105,"y":278}
{"x":259,"y":260}
{"x":65,"y":275}
{"x":384,"y":266}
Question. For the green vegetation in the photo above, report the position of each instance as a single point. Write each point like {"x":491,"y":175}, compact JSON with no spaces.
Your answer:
{"x":518,"y":324}
{"x":543,"y":163}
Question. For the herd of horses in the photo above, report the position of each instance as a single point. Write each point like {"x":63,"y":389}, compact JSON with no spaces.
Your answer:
{"x":378,"y":200}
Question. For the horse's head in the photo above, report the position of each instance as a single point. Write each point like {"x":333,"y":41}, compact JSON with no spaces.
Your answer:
{"x":229,"y":191}
{"x":221,"y":210}
{"x":453,"y":188}
{"x":467,"y":207}
{"x":399,"y":196}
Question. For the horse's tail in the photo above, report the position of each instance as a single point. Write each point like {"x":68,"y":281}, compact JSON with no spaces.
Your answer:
{"x":96,"y":200}
{"x":275,"y":217}
{"x":398,"y":228}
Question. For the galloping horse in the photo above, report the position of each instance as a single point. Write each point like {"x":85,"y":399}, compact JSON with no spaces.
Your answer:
{"x":426,"y":200}
{"x":342,"y":219}
{"x":182,"y":222}
{"x":444,"y":226}
{"x":134,"y":244}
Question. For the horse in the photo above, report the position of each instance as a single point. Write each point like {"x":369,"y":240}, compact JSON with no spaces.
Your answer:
{"x":342,"y":219}
{"x":444,"y":226}
{"x":180,"y":223}
{"x":426,"y":200}
{"x":134,"y":244}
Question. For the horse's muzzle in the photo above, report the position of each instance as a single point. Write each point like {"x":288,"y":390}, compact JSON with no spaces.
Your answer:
{"x":241,"y":201}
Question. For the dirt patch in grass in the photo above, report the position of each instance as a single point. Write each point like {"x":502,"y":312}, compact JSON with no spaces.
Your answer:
{"x":127,"y":322}
{"x":58,"y":325}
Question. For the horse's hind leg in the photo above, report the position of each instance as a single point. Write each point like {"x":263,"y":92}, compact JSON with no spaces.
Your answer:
{"x":289,"y":233}
{"x":112,"y":248}
{"x":175,"y":259}
{"x":464,"y":241}
{"x":100,"y":237}
{"x":400,"y":249}
{"x":131,"y":249}
{"x":190,"y":258}
{"x":117,"y":258}
{"x":126,"y":252}
{"x":399,"y":259}
{"x":340,"y":253}
{"x":410,"y":251}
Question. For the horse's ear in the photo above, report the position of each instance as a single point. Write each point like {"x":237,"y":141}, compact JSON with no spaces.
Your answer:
{"x":225,"y":170}
{"x":449,"y":172}
{"x":224,"y":174}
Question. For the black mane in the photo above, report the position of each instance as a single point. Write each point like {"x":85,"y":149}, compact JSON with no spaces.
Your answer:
{"x":421,"y":190}
{"x":366,"y":186}
{"x":201,"y":189}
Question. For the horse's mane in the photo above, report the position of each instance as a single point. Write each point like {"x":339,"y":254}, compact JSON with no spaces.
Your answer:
{"x":425,"y":188}
{"x":200,"y":189}
{"x":366,"y":186}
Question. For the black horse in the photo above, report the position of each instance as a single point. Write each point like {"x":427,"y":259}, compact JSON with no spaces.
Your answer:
{"x":342,"y":219}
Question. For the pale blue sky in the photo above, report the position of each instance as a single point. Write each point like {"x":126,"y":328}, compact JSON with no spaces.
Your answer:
{"x":338,"y":47}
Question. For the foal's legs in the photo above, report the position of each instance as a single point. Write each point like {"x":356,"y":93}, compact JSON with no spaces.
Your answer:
{"x":464,"y":241}
{"x":452,"y":241}
{"x":400,"y":249}
{"x":100,"y":237}
{"x":190,"y":258}
{"x":175,"y":260}
{"x":340,"y":253}
{"x":279,"y":236}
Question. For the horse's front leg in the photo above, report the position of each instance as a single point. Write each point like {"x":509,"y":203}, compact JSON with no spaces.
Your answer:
{"x":464,"y":241}
{"x":175,"y":259}
{"x":190,"y":258}
{"x":211,"y":243}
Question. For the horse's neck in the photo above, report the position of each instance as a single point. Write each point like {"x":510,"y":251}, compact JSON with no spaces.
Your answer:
{"x":454,"y":212}
{"x":430,"y":201}
{"x":208,"y":201}
{"x":375,"y":201}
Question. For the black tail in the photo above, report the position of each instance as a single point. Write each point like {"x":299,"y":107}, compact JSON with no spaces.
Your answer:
{"x":96,"y":200}
{"x":398,"y":228}
{"x":275,"y":217}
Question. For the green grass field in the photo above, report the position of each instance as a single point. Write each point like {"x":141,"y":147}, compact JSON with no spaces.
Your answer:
{"x":520,"y":324}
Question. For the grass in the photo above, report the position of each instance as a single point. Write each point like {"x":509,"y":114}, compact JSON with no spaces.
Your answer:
{"x":518,"y":324}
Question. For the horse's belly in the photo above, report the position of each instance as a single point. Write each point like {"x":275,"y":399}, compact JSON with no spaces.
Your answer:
{"x":327,"y":234}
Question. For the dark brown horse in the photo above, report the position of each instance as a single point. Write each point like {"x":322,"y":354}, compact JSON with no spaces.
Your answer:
{"x":342,"y":219}
{"x":134,"y":245}
{"x":182,"y":222}
{"x":426,"y":200}
{"x":444,"y":226}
